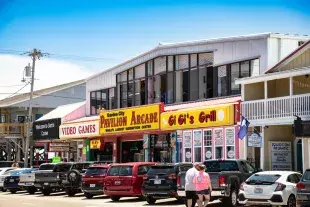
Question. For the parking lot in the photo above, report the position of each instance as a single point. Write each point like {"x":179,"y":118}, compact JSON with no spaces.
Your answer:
{"x":22,"y":199}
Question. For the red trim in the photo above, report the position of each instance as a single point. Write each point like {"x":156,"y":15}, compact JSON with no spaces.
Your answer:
{"x":237,"y":153}
{"x":287,"y":57}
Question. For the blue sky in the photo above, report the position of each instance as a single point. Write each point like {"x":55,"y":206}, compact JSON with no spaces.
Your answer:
{"x":117,"y":30}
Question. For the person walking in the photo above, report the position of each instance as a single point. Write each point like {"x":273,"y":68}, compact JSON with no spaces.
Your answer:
{"x":203,"y":186}
{"x":15,"y":164}
{"x":190,"y":187}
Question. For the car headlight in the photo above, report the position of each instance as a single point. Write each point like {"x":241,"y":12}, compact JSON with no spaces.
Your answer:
{"x":57,"y":177}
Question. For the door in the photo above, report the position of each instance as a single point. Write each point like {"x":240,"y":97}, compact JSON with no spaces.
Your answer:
{"x":119,"y":178}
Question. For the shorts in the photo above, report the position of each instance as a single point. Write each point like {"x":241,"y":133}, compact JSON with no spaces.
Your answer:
{"x":204,"y":192}
{"x":190,"y":194}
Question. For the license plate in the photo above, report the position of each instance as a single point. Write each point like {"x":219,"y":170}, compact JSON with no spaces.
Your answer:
{"x":258,"y":190}
{"x":28,"y":184}
{"x":157,"y":182}
{"x":45,"y":183}
{"x":11,"y":180}
{"x":92,"y":185}
{"x":117,"y":182}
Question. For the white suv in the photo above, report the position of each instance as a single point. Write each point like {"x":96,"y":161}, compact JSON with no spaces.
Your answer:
{"x":276,"y":188}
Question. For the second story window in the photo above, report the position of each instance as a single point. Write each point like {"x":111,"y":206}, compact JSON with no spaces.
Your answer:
{"x":102,"y":99}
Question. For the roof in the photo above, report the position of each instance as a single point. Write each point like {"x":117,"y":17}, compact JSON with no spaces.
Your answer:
{"x":38,"y":93}
{"x":62,"y":111}
{"x":275,"y":172}
{"x":83,"y":119}
{"x":289,"y":57}
{"x":176,"y":48}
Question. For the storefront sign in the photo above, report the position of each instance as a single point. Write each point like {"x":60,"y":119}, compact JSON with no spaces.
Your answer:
{"x":79,"y":130}
{"x":198,"y":118}
{"x":254,"y":140}
{"x":95,"y":144}
{"x":47,"y":129}
{"x":59,"y":147}
{"x":131,"y":119}
{"x":281,"y":155}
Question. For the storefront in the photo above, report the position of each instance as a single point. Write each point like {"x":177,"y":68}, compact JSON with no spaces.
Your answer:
{"x":135,"y":133}
{"x":204,"y":132}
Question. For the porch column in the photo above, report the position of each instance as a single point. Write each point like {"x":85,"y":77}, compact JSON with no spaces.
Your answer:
{"x":242,"y":143}
{"x":262,"y":151}
{"x":305,"y":154}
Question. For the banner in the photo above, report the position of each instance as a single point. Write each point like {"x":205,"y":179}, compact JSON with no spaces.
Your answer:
{"x":132,"y":119}
{"x":79,"y":130}
{"x":95,"y":144}
{"x":46,"y":129}
{"x":198,"y":118}
{"x":59,"y":147}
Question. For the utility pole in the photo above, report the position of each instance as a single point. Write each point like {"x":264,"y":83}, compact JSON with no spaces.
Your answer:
{"x":34,"y":55}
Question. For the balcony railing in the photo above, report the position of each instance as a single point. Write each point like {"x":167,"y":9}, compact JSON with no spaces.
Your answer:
{"x":13,"y":129}
{"x":277,"y":108}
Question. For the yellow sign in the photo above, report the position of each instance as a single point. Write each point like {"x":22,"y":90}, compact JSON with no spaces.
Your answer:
{"x":95,"y":144}
{"x":130,"y":119}
{"x":198,"y":118}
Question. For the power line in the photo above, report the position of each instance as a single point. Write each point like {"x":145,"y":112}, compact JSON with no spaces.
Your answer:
{"x":37,"y":94}
{"x":11,"y":86}
{"x":15,"y":93}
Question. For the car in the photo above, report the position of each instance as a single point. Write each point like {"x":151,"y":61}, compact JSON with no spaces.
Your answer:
{"x":93,"y":180}
{"x":125,"y":180}
{"x":275,"y":188}
{"x":11,"y":181}
{"x":3,"y":172}
{"x":161,"y":181}
{"x":303,"y":190}
{"x":26,"y":181}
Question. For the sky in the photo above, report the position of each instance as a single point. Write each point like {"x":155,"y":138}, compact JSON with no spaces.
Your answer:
{"x":85,"y":37}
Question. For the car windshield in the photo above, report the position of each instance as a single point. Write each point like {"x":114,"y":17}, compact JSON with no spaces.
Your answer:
{"x":185,"y":168}
{"x":156,"y":170}
{"x":17,"y":172}
{"x":46,"y":167}
{"x":263,"y":179}
{"x":96,"y":171}
{"x":220,"y":166}
{"x":306,"y":176}
{"x":120,"y":171}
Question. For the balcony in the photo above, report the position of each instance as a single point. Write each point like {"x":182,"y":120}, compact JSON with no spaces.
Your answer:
{"x":13,"y":130}
{"x":277,"y":110}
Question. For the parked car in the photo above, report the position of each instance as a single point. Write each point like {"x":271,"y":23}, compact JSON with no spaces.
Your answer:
{"x":3,"y":173}
{"x":275,"y":188}
{"x":7,"y":164}
{"x":26,"y":181}
{"x":161,"y":181}
{"x":303,"y":190}
{"x":11,"y":181}
{"x":93,"y":180}
{"x":73,"y":182}
{"x":226,"y":177}
{"x":125,"y":180}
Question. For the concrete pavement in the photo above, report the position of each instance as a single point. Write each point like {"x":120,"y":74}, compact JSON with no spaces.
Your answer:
{"x":22,"y":199}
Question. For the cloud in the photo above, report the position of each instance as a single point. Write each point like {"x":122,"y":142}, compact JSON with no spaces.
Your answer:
{"x":48,"y":73}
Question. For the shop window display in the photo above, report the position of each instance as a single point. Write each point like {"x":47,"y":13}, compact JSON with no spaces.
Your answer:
{"x":197,"y":137}
{"x":132,"y":151}
{"x":230,"y":143}
{"x":207,"y":136}
{"x":187,"y":146}
{"x":218,"y":143}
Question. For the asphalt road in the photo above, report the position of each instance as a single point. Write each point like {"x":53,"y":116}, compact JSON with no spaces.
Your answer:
{"x":21,"y":199}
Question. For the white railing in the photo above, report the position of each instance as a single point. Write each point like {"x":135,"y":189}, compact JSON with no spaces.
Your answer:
{"x":277,"y":108}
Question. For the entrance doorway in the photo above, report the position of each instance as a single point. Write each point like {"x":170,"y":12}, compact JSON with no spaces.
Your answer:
{"x":298,"y":156}
{"x":132,"y":151}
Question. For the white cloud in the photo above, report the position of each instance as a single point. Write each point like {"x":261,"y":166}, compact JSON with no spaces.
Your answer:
{"x":48,"y":73}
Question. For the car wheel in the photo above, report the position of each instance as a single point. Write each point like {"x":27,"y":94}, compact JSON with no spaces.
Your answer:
{"x":46,"y":192}
{"x":70,"y":192}
{"x":150,"y":200}
{"x":232,"y":200}
{"x":291,"y":202}
{"x":13,"y":191}
{"x":31,"y":190}
{"x":4,"y":190}
{"x":88,"y":195}
{"x":115,"y":198}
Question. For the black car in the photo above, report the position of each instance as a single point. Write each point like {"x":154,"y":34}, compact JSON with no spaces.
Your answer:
{"x":161,"y":181}
{"x":303,"y":190}
{"x":11,"y":181}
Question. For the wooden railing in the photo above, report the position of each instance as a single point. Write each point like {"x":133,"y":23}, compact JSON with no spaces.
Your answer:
{"x":13,"y":129}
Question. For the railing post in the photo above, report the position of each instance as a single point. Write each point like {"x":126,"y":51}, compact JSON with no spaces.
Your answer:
{"x":265,"y":98}
{"x":291,"y":97}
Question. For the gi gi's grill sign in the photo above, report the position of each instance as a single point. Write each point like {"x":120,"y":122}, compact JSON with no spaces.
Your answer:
{"x":47,"y":129}
{"x":130,"y":119}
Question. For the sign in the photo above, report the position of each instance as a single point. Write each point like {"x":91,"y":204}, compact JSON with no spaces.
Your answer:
{"x":56,"y":159}
{"x":198,"y":118}
{"x":79,"y":130}
{"x":281,"y":155}
{"x":131,"y":119}
{"x":198,"y":138}
{"x":187,"y":140}
{"x":230,"y":137}
{"x":46,"y":129}
{"x":95,"y":144}
{"x":59,"y":147}
{"x":254,"y":140}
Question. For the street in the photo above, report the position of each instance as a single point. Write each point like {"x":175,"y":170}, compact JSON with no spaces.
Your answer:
{"x":22,"y":199}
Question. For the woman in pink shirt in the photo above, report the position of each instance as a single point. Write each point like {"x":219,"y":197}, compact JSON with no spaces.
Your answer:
{"x":203,"y":186}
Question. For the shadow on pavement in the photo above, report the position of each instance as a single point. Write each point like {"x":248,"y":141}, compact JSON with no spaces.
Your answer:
{"x":53,"y":194}
{"x":160,"y":202}
{"x":97,"y":198}
{"x":124,"y":200}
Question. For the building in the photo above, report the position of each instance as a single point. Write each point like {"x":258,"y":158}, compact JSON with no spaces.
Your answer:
{"x":172,"y":79}
{"x":271,"y":102}
{"x":14,"y":114}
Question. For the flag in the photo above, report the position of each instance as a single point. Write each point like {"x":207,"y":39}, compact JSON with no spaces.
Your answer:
{"x":244,"y":125}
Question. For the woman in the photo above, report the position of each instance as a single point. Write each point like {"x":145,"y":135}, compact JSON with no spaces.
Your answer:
{"x":15,"y":164}
{"x":203,"y":186}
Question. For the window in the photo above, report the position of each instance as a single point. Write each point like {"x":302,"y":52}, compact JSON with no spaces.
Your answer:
{"x":112,"y":104}
{"x":143,"y":169}
{"x":154,"y":170}
{"x":170,"y":88}
{"x":130,"y":94}
{"x":120,"y":171}
{"x":96,"y":171}
{"x":261,"y":178}
{"x":230,"y":143}
{"x":222,"y":81}
{"x":207,"y":137}
{"x":62,"y":167}
{"x":93,"y":103}
{"x":247,"y":167}
{"x":235,"y":89}
{"x":216,"y":166}
{"x":46,"y":167}
{"x":194,"y":78}
{"x":197,"y":137}
{"x":187,"y":146}
{"x":102,"y":99}
{"x":218,"y":143}
{"x":245,"y":69}
{"x":254,"y":70}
